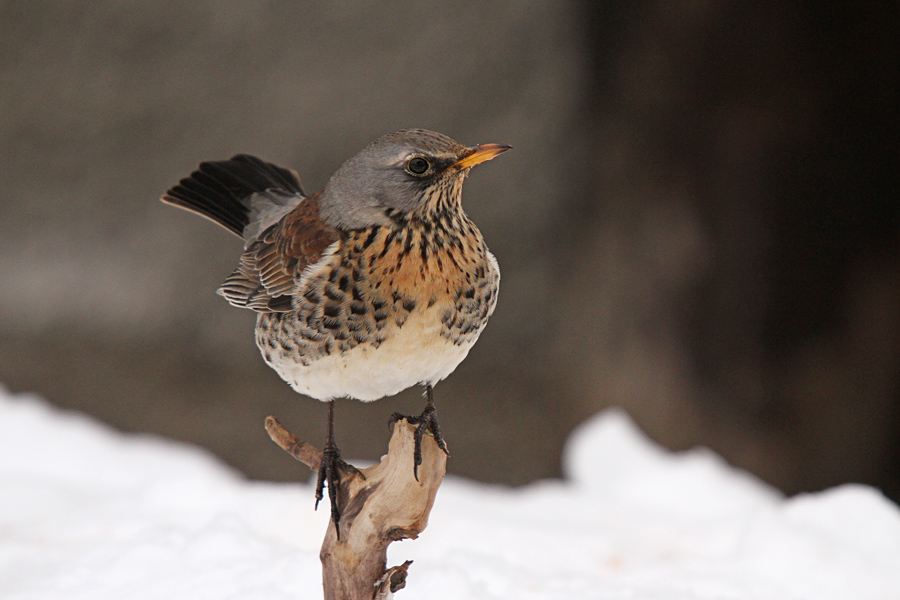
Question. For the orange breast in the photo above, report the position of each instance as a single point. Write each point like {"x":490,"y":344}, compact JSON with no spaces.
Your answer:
{"x":417,"y":265}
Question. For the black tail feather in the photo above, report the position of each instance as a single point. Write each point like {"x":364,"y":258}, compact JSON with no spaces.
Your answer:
{"x":221,"y":190}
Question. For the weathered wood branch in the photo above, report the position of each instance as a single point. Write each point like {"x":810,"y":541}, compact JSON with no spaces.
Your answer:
{"x":387,"y":506}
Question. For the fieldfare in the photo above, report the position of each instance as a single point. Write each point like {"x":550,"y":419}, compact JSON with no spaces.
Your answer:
{"x":375,"y":283}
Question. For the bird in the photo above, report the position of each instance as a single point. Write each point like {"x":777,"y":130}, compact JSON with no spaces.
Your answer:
{"x":377,"y":282}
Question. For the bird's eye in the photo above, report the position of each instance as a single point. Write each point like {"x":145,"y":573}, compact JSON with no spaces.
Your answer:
{"x":418,"y":165}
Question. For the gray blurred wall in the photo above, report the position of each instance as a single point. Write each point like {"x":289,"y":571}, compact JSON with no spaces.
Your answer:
{"x":665,"y":238}
{"x":109,"y":304}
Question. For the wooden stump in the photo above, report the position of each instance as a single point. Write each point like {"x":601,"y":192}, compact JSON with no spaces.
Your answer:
{"x":387,"y":506}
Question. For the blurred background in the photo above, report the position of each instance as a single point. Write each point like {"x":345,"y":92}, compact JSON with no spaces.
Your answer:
{"x":699,"y":222}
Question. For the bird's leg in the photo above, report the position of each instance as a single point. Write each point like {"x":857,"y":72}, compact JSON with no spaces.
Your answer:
{"x":430,"y":415}
{"x":427,"y":420}
{"x":330,"y":471}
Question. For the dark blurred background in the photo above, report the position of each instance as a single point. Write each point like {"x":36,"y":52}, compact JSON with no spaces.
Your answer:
{"x":699,"y":221}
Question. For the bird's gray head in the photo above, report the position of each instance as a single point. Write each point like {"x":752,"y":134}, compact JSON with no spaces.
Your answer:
{"x":398,"y":174}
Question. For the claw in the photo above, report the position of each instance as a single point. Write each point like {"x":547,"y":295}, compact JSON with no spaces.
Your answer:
{"x":330,"y":470}
{"x":424,"y":422}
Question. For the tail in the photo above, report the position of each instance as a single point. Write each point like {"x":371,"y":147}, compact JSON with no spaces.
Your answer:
{"x":223,"y":191}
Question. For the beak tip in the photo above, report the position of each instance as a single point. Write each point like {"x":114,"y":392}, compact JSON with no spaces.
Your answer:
{"x":481,"y":153}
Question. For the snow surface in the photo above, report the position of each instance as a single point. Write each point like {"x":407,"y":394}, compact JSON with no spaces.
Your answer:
{"x":87,"y":512}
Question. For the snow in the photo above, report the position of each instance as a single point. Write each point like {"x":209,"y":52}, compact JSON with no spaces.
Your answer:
{"x":87,"y":512}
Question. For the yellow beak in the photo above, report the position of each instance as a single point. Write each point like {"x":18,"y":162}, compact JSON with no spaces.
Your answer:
{"x":474,"y":155}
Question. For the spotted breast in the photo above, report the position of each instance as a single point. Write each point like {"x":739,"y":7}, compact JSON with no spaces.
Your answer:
{"x":384,"y":308}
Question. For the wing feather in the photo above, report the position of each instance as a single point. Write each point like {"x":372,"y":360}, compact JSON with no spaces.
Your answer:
{"x":272,"y":265}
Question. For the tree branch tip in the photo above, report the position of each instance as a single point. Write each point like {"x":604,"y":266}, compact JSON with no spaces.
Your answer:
{"x":394,"y":579}
{"x":306,"y":453}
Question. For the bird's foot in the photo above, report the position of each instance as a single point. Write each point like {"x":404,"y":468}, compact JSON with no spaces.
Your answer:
{"x":331,"y":470}
{"x":427,"y":421}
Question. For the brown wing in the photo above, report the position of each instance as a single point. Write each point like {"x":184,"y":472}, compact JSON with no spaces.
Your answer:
{"x":272,"y":264}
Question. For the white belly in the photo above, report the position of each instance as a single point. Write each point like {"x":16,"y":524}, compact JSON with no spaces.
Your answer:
{"x":414,"y":354}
